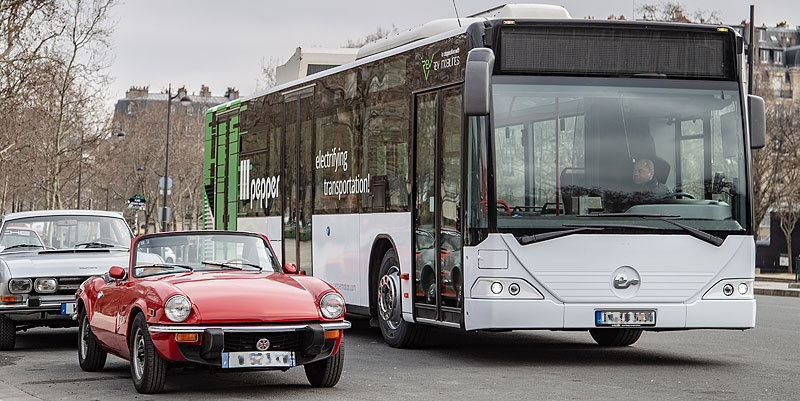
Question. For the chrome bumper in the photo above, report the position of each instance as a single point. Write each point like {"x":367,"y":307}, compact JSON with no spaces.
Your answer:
{"x":249,"y":329}
{"x":43,"y":307}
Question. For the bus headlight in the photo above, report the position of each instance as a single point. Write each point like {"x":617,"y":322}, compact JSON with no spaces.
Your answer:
{"x":504,"y":288}
{"x":731,"y":289}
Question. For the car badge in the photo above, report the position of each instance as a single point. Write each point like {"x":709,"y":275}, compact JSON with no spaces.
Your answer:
{"x":262,"y":344}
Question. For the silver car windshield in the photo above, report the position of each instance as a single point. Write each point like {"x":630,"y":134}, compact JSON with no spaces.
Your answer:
{"x":66,"y":232}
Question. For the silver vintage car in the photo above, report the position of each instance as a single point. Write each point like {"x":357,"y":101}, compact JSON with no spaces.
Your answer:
{"x":44,"y":258}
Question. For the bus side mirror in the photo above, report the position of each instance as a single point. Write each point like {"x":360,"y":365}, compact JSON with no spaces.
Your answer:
{"x":290,"y":268}
{"x":758,"y":122}
{"x":478,"y":82}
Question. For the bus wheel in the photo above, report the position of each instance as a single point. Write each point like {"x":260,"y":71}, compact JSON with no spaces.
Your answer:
{"x":615,"y":337}
{"x":396,"y":332}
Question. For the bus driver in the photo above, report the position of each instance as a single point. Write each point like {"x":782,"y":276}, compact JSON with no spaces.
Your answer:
{"x":644,"y":179}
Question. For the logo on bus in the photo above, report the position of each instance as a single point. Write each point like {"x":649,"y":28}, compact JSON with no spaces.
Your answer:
{"x":449,"y":59}
{"x":256,"y":189}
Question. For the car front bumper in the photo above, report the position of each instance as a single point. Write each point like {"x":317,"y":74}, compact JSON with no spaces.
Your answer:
{"x":36,"y":309}
{"x":306,"y":340}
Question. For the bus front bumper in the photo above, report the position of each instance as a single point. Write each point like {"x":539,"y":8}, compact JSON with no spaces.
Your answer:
{"x":547,"y":314}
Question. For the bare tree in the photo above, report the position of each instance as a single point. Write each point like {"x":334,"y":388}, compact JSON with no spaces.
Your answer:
{"x":675,"y":12}
{"x":379,"y":33}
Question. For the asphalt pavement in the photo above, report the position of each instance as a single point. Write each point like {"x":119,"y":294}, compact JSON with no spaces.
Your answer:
{"x":757,"y":364}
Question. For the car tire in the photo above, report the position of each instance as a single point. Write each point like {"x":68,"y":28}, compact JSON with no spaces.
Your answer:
{"x":326,"y":373}
{"x":91,"y":356}
{"x":148,"y":370}
{"x":8,"y":333}
{"x":397,"y":332}
{"x":615,"y":337}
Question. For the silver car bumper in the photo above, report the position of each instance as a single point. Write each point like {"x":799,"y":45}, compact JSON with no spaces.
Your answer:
{"x":248,"y":329}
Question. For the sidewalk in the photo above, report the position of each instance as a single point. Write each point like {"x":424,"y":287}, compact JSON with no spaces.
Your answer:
{"x":780,"y":284}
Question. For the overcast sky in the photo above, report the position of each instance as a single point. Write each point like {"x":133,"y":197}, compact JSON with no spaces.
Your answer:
{"x":221,"y":43}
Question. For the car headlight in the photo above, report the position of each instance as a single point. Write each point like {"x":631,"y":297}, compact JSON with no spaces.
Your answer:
{"x":332,"y":305}
{"x":20,"y":285}
{"x":45,"y":285}
{"x":177,"y":308}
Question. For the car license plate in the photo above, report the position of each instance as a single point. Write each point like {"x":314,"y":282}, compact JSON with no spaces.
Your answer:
{"x":67,"y":308}
{"x":625,"y":318}
{"x":258,"y":359}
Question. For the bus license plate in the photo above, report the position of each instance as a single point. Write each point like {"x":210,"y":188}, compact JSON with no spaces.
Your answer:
{"x":67,"y":308}
{"x":257,"y":359}
{"x":625,"y":318}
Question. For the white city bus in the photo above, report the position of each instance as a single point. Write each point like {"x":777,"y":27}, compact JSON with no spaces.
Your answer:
{"x":479,"y":174}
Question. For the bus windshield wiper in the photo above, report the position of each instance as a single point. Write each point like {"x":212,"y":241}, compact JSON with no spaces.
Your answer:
{"x":529,"y":239}
{"x":231,"y":266}
{"x":699,"y":234}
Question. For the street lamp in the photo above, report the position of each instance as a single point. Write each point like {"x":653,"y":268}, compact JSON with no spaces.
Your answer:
{"x":184,"y":101}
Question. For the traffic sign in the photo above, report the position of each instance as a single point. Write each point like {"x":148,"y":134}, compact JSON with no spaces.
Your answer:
{"x":137,"y":202}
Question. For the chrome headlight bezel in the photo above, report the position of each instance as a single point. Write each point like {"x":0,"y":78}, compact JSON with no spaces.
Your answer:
{"x":14,"y":285}
{"x":45,"y":285}
{"x":177,"y":308}
{"x":331,"y":305}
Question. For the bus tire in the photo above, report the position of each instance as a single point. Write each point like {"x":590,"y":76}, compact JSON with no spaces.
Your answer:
{"x":615,"y":337}
{"x":8,"y":333}
{"x":397,"y":332}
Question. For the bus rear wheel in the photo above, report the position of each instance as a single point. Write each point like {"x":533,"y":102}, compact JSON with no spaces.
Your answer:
{"x":615,"y":337}
{"x":397,"y":332}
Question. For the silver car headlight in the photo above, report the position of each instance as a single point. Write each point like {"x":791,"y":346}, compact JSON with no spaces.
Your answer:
{"x":177,"y":308}
{"x":332,"y":305}
{"x":20,"y":285}
{"x":45,"y":285}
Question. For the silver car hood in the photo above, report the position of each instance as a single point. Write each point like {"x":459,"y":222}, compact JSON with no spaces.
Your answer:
{"x":63,"y":263}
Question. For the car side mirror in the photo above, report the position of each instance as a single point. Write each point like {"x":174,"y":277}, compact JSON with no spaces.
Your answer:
{"x":117,"y":273}
{"x":758,"y":122}
{"x":290,"y":268}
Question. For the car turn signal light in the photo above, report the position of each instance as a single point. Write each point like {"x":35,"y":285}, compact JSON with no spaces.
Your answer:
{"x":11,"y":299}
{"x":331,"y":334}
{"x":187,"y":337}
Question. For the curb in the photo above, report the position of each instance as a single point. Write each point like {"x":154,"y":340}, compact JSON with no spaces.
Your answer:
{"x":776,"y":292}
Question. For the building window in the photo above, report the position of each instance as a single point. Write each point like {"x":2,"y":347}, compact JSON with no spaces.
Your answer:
{"x":762,"y":35}
{"x":778,"y":57}
{"x":763,"y":235}
{"x":764,"y":56}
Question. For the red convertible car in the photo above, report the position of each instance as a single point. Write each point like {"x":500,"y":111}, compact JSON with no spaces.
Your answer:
{"x":223,"y":301}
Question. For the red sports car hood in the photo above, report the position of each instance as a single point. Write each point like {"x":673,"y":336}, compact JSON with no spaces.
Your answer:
{"x":247,"y":297}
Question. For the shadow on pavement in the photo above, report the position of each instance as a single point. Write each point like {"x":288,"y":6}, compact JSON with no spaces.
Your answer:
{"x":41,"y":339}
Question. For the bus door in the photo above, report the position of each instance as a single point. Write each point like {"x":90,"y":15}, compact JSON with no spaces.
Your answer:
{"x":437,"y":195}
{"x":225,"y":164}
{"x":298,"y":179}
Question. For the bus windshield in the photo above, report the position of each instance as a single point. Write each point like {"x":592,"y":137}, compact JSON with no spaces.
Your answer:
{"x":569,"y":149}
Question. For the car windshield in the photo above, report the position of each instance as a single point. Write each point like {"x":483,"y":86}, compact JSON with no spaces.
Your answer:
{"x":569,"y":149}
{"x":66,"y":232}
{"x":20,"y":239}
{"x":198,"y":251}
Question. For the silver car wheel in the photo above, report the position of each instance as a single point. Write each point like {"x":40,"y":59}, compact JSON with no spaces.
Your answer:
{"x":138,"y":354}
{"x":389,"y":298}
{"x":84,"y":337}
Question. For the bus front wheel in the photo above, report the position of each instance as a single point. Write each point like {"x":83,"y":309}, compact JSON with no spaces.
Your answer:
{"x":615,"y":337}
{"x":397,"y":332}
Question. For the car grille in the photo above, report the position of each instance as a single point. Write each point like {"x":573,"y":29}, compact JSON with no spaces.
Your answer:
{"x":68,"y":285}
{"x":277,"y":341}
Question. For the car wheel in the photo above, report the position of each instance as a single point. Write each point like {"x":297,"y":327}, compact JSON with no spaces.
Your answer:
{"x":397,"y":332}
{"x":615,"y":337}
{"x":326,"y":373}
{"x":8,"y":333}
{"x":148,"y":370}
{"x":91,"y":357}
